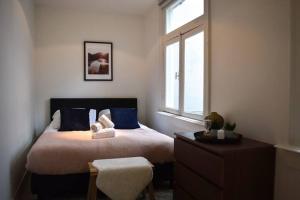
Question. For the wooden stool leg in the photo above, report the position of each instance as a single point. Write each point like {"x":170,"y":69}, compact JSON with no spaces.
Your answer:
{"x":92,"y":192}
{"x":151,"y":191}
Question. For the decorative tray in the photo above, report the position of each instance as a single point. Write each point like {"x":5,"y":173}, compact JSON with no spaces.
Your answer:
{"x":201,"y":136}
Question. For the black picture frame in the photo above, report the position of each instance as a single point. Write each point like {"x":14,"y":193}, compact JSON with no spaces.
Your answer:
{"x":98,"y":61}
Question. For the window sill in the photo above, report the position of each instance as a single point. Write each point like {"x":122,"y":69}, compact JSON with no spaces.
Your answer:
{"x":290,"y":148}
{"x":185,"y":119}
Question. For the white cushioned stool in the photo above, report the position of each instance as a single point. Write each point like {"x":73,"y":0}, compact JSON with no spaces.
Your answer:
{"x":121,"y":178}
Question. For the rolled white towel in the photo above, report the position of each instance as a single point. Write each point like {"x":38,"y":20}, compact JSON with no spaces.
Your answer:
{"x":106,"y":122}
{"x":104,"y":133}
{"x":95,"y":127}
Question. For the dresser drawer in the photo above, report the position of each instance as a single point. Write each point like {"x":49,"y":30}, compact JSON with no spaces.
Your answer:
{"x":179,"y":194}
{"x":204,"y":163}
{"x":194,"y":185}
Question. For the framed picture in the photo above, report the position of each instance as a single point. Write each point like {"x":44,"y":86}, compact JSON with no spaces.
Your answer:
{"x":98,"y":61}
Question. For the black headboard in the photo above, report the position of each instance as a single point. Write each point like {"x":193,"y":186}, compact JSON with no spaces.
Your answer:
{"x":91,"y":103}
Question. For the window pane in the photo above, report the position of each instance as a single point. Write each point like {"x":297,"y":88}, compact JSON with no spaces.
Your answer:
{"x":172,"y":76}
{"x":183,"y":12}
{"x":194,"y":74}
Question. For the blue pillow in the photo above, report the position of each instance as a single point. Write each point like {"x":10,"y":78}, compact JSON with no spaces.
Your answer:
{"x":124,"y":118}
{"x":74,"y":120}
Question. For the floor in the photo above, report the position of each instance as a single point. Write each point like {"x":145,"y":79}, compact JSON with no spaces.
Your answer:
{"x":162,"y":192}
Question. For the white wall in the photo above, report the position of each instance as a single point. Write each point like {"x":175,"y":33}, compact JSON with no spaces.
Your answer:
{"x":288,"y":162}
{"x":250,"y":59}
{"x":16,"y":109}
{"x":59,"y":57}
{"x":295,"y":73}
{"x":250,"y":66}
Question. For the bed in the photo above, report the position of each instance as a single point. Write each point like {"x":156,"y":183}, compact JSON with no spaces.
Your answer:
{"x":58,"y":160}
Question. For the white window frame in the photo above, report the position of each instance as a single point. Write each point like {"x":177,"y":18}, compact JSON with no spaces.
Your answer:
{"x":171,"y":41}
{"x":180,"y":34}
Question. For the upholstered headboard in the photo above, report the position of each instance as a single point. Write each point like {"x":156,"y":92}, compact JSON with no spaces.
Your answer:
{"x":91,"y":103}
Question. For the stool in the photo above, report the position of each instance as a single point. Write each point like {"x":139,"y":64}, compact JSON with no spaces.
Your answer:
{"x":92,"y":190}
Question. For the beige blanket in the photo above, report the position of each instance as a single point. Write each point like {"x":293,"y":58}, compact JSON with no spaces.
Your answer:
{"x":57,"y":153}
{"x":123,"y":178}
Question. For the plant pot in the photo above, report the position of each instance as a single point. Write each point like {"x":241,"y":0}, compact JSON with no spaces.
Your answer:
{"x":229,"y":133}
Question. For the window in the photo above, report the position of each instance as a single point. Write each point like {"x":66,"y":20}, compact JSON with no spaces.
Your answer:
{"x":182,"y":12}
{"x":194,"y":74}
{"x":172,"y":75}
{"x":185,"y":58}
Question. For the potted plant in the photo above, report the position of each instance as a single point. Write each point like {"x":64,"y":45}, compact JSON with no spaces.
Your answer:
{"x":229,"y":129}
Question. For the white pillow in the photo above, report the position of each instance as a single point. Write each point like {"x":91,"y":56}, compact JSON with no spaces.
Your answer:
{"x":93,"y":116}
{"x":105,"y":112}
{"x":106,"y":122}
{"x":55,"y":124}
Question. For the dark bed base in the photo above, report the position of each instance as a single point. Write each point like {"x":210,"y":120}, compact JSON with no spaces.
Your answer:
{"x":56,"y":185}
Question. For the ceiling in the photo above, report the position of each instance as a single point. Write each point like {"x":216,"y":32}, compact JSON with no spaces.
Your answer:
{"x":131,"y":7}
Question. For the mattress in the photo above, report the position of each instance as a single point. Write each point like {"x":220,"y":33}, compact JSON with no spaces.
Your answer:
{"x":60,"y":153}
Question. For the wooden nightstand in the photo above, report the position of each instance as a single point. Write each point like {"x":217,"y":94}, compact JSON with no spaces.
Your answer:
{"x":223,"y":172}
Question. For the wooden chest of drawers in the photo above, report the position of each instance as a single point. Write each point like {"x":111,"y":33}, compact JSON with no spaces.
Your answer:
{"x":223,"y":172}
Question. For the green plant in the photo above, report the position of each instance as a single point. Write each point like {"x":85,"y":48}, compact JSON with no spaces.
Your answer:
{"x":229,"y":127}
